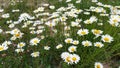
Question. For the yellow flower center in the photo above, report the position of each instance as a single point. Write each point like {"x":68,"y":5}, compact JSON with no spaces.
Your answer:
{"x":51,"y":25}
{"x":72,"y":49}
{"x":74,"y":58}
{"x":68,"y":59}
{"x":17,"y":35}
{"x":97,"y":10}
{"x":21,"y":45}
{"x":98,"y":45}
{"x":106,"y":39}
{"x":86,"y":44}
{"x":63,"y":18}
{"x":75,"y":43}
{"x":68,"y":41}
{"x":1,"y":48}
{"x":115,"y":20}
{"x":83,"y":32}
{"x":98,"y":66}
{"x":97,"y":31}
{"x":35,"y":41}
{"x":88,"y":22}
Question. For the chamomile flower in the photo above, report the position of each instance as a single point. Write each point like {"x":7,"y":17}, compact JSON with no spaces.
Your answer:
{"x":98,"y":65}
{"x":7,"y":15}
{"x":82,"y":32}
{"x":59,"y":46}
{"x":52,"y":7}
{"x":18,"y":35}
{"x":70,"y":58}
{"x":64,"y":55}
{"x":19,"y":50}
{"x":63,"y":18}
{"x":50,"y":23}
{"x":73,"y":24}
{"x":72,"y":48}
{"x":97,"y":32}
{"x":86,"y":43}
{"x":20,"y":45}
{"x":68,"y":40}
{"x":14,"y":31}
{"x":98,"y":44}
{"x":75,"y":58}
{"x":35,"y":54}
{"x":75,"y":42}
{"x":46,"y":47}
{"x":68,"y":0}
{"x":114,"y":20}
{"x":6,"y":43}
{"x":78,"y":1}
{"x":34,"y":41}
{"x":3,"y":47}
{"x":91,"y":20}
{"x":94,"y":1}
{"x":107,"y":38}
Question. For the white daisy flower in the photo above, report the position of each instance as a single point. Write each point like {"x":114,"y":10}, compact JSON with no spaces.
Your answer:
{"x":97,"y":32}
{"x":68,"y":40}
{"x":35,"y":54}
{"x":46,"y":47}
{"x":82,"y":32}
{"x":19,"y":50}
{"x":59,"y":46}
{"x":75,"y":42}
{"x":98,"y":65}
{"x":98,"y":44}
{"x":34,"y":41}
{"x":72,"y":48}
{"x":107,"y":38}
{"x":20,"y":45}
{"x":3,"y":47}
{"x":86,"y":43}
{"x":75,"y":58}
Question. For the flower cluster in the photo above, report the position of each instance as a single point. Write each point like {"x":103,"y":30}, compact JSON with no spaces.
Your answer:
{"x":66,"y":24}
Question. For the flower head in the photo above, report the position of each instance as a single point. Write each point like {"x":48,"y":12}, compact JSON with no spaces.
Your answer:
{"x":86,"y":43}
{"x":82,"y":32}
{"x":98,"y":65}
{"x":35,"y":54}
{"x":107,"y":38}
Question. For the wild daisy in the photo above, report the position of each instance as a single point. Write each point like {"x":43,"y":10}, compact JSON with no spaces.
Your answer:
{"x":50,"y":23}
{"x":34,"y":41}
{"x":20,"y":45}
{"x":82,"y":32}
{"x":3,"y":47}
{"x":73,"y":24}
{"x":75,"y":42}
{"x":59,"y":46}
{"x":66,"y":57}
{"x":68,"y":40}
{"x":98,"y":65}
{"x":97,"y":32}
{"x":98,"y":44}
{"x":107,"y":38}
{"x":75,"y":58}
{"x":19,"y":50}
{"x":35,"y":54}
{"x":46,"y":47}
{"x":86,"y":43}
{"x":72,"y":48}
